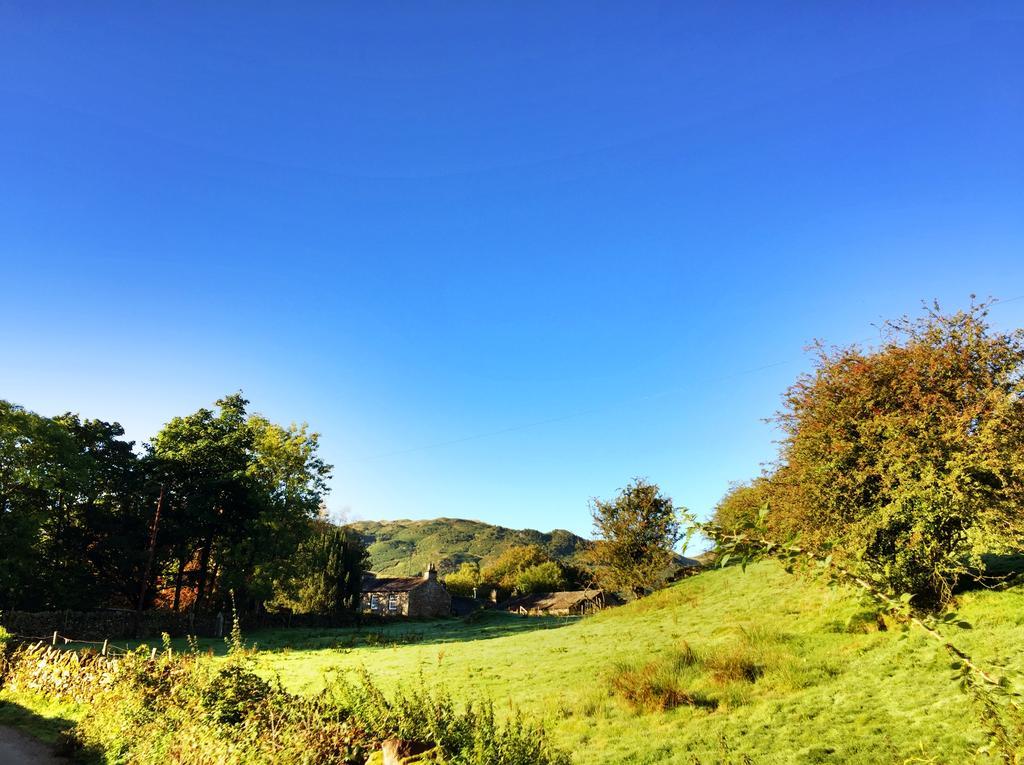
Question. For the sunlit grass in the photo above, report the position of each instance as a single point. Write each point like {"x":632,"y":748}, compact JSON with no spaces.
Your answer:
{"x":787,"y":671}
{"x":719,"y":667}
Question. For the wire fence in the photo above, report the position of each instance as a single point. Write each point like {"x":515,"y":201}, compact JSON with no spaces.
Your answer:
{"x":106,"y":648}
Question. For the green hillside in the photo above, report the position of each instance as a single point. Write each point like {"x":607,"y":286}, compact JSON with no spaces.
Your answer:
{"x":404,"y":548}
{"x":790,"y":671}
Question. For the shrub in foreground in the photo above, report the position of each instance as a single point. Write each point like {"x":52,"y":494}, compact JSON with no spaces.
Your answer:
{"x":469,"y":735}
{"x":151,"y":710}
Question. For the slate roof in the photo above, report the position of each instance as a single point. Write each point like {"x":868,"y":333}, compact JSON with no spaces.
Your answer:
{"x":373,"y":583}
{"x":551,"y":601}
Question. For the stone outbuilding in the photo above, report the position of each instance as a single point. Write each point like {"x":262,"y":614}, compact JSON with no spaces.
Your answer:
{"x":568,"y":603}
{"x":413,"y":596}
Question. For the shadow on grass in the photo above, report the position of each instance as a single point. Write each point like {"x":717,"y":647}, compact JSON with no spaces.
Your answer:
{"x":482,"y":626}
{"x":53,"y":731}
{"x":997,"y":570}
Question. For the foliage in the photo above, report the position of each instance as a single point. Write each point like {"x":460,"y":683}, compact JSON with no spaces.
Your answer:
{"x":741,"y":504}
{"x":636,"y":533}
{"x":711,"y":677}
{"x":232,"y":693}
{"x":470,"y":735}
{"x":521,"y":569}
{"x":74,"y":499}
{"x":503,"y":574}
{"x":909,"y":457}
{"x":241,"y":496}
{"x":544,"y":577}
{"x":465,"y":581}
{"x":326,"y":573}
{"x":238,"y":495}
{"x":656,"y":686}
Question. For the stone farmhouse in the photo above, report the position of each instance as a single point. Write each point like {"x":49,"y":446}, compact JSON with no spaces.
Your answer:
{"x":413,"y":596}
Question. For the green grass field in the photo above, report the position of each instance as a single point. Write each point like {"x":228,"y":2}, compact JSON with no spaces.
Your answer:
{"x":789,"y":671}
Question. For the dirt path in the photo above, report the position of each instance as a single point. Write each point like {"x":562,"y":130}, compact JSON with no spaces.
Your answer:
{"x":17,"y":748}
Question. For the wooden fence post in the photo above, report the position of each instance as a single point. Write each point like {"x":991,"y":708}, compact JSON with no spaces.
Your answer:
{"x":104,"y":647}
{"x":55,"y":637}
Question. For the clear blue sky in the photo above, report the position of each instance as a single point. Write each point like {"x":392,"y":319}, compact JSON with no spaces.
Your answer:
{"x":503,"y":256}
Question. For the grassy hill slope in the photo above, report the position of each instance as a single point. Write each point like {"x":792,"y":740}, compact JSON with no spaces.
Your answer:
{"x":789,"y":672}
{"x":404,"y":548}
{"x":782,"y":670}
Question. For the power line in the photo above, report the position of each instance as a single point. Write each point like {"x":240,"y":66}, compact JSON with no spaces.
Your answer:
{"x":601,"y":408}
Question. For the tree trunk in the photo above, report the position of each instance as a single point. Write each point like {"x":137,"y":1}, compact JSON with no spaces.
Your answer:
{"x":204,"y":565}
{"x":177,"y":583}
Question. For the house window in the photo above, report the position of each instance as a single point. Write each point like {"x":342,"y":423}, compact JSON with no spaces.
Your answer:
{"x":392,"y":602}
{"x":375,"y":602}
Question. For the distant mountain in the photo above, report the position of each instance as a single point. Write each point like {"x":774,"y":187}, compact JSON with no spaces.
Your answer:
{"x":404,"y":548}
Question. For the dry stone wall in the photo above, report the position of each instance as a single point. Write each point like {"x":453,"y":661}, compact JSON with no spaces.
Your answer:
{"x":125,"y":624}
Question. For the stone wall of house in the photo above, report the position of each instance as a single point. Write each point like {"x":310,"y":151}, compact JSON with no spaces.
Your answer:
{"x":430,"y":599}
{"x":366,"y":603}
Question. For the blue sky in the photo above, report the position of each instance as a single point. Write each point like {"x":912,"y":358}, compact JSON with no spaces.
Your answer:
{"x":503,"y":256}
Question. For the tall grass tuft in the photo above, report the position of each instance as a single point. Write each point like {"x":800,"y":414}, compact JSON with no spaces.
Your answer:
{"x":658,"y":685}
{"x":720,"y":675}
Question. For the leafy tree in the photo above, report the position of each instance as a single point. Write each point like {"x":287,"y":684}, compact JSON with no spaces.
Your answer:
{"x":544,"y":577}
{"x":38,"y":470}
{"x":204,"y":459}
{"x":288,"y":481}
{"x":71,"y":496}
{"x":503,"y":573}
{"x":465,"y":580}
{"x":909,"y":457}
{"x":636,"y":533}
{"x":241,"y":493}
{"x":77,"y":503}
{"x":326,"y":574}
{"x":106,"y":548}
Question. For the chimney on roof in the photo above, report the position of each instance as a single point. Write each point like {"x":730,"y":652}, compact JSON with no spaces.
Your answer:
{"x":431,"y":573}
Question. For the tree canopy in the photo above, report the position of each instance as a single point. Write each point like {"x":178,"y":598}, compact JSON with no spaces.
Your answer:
{"x":908,"y":457}
{"x":636,"y":533}
{"x":238,"y":497}
{"x":521,"y":569}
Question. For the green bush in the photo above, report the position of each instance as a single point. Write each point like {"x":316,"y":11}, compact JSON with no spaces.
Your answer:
{"x":233,"y":693}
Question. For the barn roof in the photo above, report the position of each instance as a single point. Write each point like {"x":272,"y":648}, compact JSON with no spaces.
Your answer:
{"x":552,"y":601}
{"x":373,"y":583}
